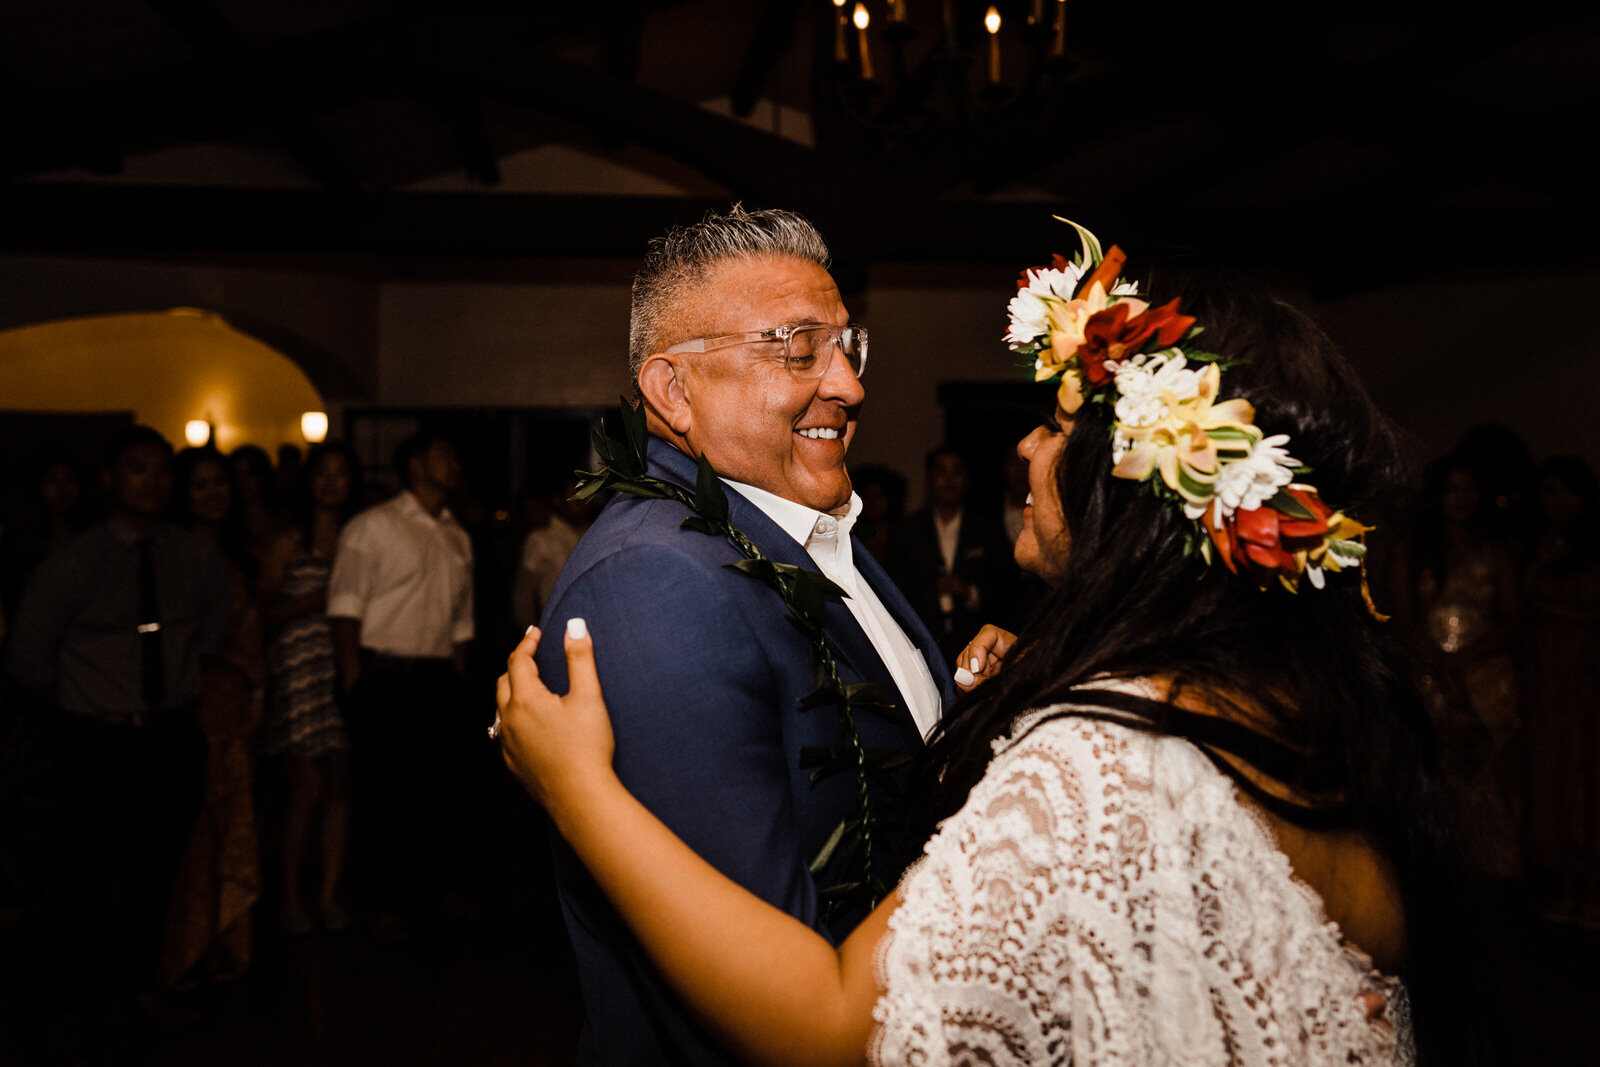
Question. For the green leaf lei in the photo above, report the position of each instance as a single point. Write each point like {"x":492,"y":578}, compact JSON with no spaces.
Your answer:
{"x":859,"y":835}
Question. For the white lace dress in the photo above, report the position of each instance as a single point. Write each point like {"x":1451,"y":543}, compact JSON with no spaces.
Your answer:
{"x":1105,"y":898}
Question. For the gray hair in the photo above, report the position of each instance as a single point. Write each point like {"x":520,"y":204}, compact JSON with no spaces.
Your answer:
{"x":684,"y":255}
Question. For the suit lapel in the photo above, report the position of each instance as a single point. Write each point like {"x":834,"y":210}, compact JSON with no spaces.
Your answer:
{"x":855,"y":647}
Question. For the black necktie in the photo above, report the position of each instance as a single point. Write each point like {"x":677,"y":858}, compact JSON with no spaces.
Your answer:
{"x":155,"y":667}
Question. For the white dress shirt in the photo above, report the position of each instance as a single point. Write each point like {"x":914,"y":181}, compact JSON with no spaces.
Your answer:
{"x":544,"y":552}
{"x":826,"y":539}
{"x":949,"y":536}
{"x":407,"y":576}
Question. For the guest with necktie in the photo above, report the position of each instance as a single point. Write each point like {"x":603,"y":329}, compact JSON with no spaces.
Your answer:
{"x":109,"y":639}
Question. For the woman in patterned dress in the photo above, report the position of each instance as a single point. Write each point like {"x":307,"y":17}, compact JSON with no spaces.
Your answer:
{"x":1191,"y":820}
{"x":210,"y":926}
{"x":305,"y":725}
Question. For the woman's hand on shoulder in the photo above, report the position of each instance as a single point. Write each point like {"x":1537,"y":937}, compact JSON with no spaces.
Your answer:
{"x":556,"y":746}
{"x":982,"y":657}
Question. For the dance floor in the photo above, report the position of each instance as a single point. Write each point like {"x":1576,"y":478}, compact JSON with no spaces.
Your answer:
{"x":498,"y":988}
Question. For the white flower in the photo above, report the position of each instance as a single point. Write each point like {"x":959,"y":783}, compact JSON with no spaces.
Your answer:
{"x":1141,"y":383}
{"x":1030,"y":318}
{"x":1061,"y":284}
{"x":1030,"y":308}
{"x":1120,"y":443}
{"x":1250,"y":481}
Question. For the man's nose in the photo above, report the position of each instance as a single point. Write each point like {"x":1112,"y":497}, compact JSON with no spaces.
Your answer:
{"x":841,"y":383}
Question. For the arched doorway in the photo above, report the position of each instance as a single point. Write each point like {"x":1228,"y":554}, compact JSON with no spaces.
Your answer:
{"x":165,"y":368}
{"x":65,"y":384}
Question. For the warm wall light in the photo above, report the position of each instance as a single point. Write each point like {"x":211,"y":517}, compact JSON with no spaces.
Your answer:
{"x":991,"y":22}
{"x":197,"y":432}
{"x":314,"y":426}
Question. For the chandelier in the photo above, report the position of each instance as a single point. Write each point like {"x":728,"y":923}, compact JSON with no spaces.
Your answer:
{"x":908,"y":73}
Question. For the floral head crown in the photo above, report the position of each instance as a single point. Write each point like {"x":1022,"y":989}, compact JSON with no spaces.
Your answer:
{"x":1083,"y":322}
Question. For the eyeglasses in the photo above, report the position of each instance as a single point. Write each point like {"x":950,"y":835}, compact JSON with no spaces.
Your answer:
{"x":808,"y":348}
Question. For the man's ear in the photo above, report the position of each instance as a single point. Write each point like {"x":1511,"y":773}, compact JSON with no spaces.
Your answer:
{"x":662,"y":386}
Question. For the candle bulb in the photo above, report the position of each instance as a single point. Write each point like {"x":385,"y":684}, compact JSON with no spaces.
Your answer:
{"x":862,"y":19}
{"x":841,"y":47}
{"x":991,"y":22}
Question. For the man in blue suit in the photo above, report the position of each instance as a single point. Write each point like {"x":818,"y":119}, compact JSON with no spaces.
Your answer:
{"x":742,"y":352}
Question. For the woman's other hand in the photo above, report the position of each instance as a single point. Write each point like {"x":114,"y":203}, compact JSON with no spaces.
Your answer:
{"x":982,"y":657}
{"x":554,"y":745}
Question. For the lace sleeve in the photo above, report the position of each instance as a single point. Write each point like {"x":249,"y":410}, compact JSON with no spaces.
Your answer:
{"x":1085,"y":907}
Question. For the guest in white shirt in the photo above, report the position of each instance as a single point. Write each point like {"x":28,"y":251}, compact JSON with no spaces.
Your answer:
{"x":558,"y":522}
{"x":400,"y":607}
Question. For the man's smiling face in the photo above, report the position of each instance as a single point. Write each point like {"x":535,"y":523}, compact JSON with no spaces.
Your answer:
{"x":750,"y":417}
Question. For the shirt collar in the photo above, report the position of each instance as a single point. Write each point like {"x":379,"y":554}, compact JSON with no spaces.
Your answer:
{"x":411,"y":507}
{"x":128,"y":535}
{"x":803,"y":524}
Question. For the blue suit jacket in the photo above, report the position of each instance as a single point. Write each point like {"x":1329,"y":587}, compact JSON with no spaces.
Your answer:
{"x":702,"y":671}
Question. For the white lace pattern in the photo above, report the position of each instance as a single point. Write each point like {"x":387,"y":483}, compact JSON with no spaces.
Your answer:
{"x":1104,"y":897}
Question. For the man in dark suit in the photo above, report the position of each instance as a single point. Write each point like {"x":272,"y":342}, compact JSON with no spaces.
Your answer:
{"x":110,"y":640}
{"x":952,"y":562}
{"x":742,"y":353}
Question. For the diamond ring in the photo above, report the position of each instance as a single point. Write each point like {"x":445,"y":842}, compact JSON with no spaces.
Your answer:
{"x":494,"y":731}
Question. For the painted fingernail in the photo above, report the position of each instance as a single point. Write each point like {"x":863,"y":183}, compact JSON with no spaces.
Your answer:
{"x":529,"y":630}
{"x":963,"y":676}
{"x":577,"y":629}
{"x":977,"y":664}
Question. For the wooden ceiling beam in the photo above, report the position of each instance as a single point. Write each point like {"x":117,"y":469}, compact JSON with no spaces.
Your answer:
{"x":180,"y":103}
{"x":209,"y":34}
{"x":772,"y":40}
{"x":1316,"y":243}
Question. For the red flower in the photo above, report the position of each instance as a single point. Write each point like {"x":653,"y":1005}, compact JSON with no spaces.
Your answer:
{"x":1111,"y":334}
{"x":1264,"y":541}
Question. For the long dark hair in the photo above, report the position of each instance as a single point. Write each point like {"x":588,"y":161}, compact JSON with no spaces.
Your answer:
{"x":1578,"y":477}
{"x":1346,"y":723}
{"x":232,"y":536}
{"x":260,"y":464}
{"x":303,"y":509}
{"x":1428,"y":538}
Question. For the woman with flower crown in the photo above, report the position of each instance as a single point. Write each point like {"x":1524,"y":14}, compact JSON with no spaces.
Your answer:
{"x":1191,"y":814}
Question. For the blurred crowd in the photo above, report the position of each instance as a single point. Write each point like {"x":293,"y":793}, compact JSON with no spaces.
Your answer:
{"x":233,"y":685}
{"x":230,"y":683}
{"x":1496,"y":572}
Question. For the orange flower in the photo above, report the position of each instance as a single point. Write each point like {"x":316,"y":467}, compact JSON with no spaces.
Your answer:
{"x":1106,"y":272}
